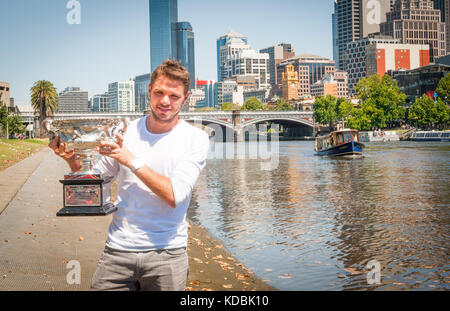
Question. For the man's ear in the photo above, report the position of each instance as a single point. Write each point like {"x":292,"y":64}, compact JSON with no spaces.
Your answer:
{"x":149,"y":89}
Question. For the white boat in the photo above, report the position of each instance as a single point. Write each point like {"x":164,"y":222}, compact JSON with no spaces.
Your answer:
{"x":431,"y":136}
{"x":378,"y":136}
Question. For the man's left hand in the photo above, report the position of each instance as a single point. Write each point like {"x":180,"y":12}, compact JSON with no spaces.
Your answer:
{"x":116,"y":151}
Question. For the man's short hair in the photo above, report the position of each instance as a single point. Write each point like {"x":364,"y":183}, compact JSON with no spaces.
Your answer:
{"x":173,"y":70}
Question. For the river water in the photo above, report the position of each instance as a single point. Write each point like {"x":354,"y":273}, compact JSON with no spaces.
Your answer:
{"x":314,"y":223}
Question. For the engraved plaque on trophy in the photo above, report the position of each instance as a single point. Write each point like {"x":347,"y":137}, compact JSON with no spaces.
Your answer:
{"x":83,"y":191}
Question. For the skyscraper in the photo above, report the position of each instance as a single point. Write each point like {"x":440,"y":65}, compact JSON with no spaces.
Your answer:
{"x":73,"y":100}
{"x":228,"y":45}
{"x":163,"y":19}
{"x":121,"y":96}
{"x":185,"y":48}
{"x":354,"y":20}
{"x":417,"y":22}
{"x":444,"y":7}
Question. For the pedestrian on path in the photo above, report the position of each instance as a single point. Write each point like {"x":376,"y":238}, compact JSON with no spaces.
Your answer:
{"x":157,"y":163}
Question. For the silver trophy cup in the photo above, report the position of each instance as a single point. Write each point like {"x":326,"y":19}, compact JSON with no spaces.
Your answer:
{"x":86,"y":192}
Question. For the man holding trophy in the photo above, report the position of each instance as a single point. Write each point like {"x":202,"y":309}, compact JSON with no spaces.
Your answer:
{"x":157,"y":161}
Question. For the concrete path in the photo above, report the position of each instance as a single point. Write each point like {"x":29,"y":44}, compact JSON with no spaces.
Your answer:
{"x":35,"y":245}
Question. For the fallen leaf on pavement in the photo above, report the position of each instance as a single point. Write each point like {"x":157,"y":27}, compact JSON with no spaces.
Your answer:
{"x":28,"y":232}
{"x":81,"y":238}
{"x":227,"y":286}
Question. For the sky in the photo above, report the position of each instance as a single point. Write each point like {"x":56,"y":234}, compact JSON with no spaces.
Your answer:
{"x":112,"y":42}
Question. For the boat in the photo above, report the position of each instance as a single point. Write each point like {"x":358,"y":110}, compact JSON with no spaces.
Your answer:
{"x":378,"y":136}
{"x":339,"y":143}
{"x":431,"y":136}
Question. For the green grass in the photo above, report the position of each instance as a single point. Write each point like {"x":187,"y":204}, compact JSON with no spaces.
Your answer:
{"x":15,"y":150}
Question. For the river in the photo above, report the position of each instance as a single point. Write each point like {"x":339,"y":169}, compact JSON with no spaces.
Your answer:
{"x":314,"y":223}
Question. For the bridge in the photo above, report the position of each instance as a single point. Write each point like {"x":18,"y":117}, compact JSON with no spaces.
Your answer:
{"x":235,"y":122}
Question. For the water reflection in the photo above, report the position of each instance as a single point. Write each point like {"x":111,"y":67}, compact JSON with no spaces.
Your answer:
{"x":314,"y":223}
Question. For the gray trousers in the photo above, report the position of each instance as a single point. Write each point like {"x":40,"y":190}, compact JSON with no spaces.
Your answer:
{"x":157,"y":270}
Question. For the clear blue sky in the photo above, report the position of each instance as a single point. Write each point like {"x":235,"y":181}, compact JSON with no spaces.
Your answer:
{"x":112,"y":41}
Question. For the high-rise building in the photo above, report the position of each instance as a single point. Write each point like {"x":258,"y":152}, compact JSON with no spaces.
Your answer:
{"x":100,"y":103}
{"x":185,"y":48}
{"x":163,"y":19}
{"x":209,"y":99}
{"x":277,"y":54}
{"x":444,"y":7}
{"x":121,"y":96}
{"x":417,"y":22}
{"x":227,"y":46}
{"x":73,"y":100}
{"x":354,"y":20}
{"x":331,"y":84}
{"x":223,"y":88}
{"x":249,"y":63}
{"x":334,"y":33}
{"x":142,"y":101}
{"x":380,"y":54}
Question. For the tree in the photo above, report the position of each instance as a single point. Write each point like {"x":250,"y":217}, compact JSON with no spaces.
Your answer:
{"x":426,"y":114}
{"x":228,"y":106}
{"x":381,"y":99}
{"x":283,"y":105}
{"x":44,"y":100}
{"x":325,"y":111}
{"x":443,"y":89}
{"x":252,"y":103}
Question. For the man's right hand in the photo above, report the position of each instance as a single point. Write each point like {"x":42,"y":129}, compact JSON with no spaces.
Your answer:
{"x":59,"y":149}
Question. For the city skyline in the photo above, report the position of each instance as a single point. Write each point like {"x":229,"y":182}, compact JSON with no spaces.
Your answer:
{"x":112,"y":41}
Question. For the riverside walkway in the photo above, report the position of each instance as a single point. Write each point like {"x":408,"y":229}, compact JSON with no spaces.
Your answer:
{"x":36,"y":246}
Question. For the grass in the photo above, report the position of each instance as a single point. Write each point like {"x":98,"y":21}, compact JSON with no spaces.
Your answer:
{"x":15,"y":150}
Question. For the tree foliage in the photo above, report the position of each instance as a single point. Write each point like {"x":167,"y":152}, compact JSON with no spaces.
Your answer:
{"x":382,"y":103}
{"x":328,"y":110}
{"x":44,"y":100}
{"x":10,"y":123}
{"x":228,"y":106}
{"x":428,"y":114}
{"x":252,"y":103}
{"x":283,"y":105}
{"x":443,"y":89}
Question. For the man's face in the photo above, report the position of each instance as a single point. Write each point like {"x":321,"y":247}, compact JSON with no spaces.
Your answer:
{"x":167,"y":97}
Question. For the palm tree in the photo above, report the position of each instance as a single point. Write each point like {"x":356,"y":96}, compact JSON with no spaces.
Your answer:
{"x":44,"y":100}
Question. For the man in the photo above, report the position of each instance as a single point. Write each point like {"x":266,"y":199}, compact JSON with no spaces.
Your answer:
{"x":157,"y":162}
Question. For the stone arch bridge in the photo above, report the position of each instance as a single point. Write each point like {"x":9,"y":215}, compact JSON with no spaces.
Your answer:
{"x":235,"y":122}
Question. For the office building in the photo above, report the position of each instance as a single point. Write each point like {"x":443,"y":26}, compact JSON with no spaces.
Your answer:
{"x":142,"y":101}
{"x":444,"y":7}
{"x":380,"y":54}
{"x":209,"y":100}
{"x":260,"y":94}
{"x":185,"y":48}
{"x":417,"y":22}
{"x":223,"y":88}
{"x":355,"y":20}
{"x":163,"y":19}
{"x":248,"y":63}
{"x":100,"y":103}
{"x":228,"y":45}
{"x":121,"y":96}
{"x":277,"y":54}
{"x":310,"y":68}
{"x":331,"y":84}
{"x":423,"y":80}
{"x":73,"y":100}
{"x":5,"y":94}
{"x":195,"y":96}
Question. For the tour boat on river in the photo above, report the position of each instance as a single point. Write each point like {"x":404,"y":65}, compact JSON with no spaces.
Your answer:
{"x":339,"y":143}
{"x":431,"y":136}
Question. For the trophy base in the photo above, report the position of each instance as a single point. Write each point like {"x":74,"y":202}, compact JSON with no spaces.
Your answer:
{"x":104,"y":210}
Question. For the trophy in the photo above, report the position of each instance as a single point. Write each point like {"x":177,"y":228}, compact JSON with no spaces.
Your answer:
{"x":83,"y":191}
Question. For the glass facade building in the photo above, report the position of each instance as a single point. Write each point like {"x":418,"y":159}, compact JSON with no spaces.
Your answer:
{"x":228,"y":40}
{"x":163,"y":19}
{"x":185,"y":48}
{"x":141,"y":92}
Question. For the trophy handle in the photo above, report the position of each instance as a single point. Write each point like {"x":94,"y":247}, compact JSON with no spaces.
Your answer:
{"x":52,"y":131}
